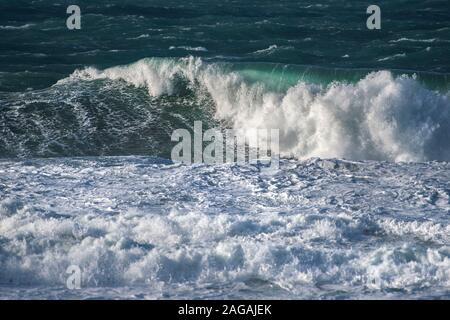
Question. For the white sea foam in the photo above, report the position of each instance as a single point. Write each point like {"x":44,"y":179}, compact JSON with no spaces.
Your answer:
{"x":317,"y":228}
{"x":380,"y":117}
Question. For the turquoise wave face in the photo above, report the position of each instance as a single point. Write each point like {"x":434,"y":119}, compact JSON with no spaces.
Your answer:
{"x":37,"y":49}
{"x":278,"y":76}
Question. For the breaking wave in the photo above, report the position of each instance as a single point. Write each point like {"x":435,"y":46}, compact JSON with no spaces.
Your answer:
{"x":352,"y":114}
{"x":316,"y":229}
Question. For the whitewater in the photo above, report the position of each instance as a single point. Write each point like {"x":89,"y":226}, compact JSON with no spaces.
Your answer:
{"x":375,"y":225}
{"x":145,"y":228}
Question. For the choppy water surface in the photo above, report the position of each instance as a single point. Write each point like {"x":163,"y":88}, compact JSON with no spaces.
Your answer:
{"x":85,"y":123}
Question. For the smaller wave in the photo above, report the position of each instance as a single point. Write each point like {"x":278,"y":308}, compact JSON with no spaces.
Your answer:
{"x":25,"y":26}
{"x":318,"y":5}
{"x":378,"y":117}
{"x":188,"y":48}
{"x":270,"y":50}
{"x":418,"y":40}
{"x":395,"y":56}
{"x":413,"y":40}
{"x":267,"y":50}
{"x":142,"y":36}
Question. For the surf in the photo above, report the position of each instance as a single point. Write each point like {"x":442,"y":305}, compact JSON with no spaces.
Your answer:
{"x":133,"y":109}
{"x":376,"y":116}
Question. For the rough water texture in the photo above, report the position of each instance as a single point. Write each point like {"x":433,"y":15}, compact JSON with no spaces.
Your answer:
{"x":85,"y":123}
{"x":143,"y":228}
{"x":133,"y":109}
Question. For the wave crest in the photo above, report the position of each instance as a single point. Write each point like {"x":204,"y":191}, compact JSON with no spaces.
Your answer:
{"x":379,"y":117}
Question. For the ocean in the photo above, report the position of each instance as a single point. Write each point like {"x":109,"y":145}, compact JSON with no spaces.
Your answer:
{"x":359,"y":207}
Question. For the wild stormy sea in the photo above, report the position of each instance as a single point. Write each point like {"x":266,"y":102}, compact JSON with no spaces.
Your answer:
{"x":359,"y":208}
